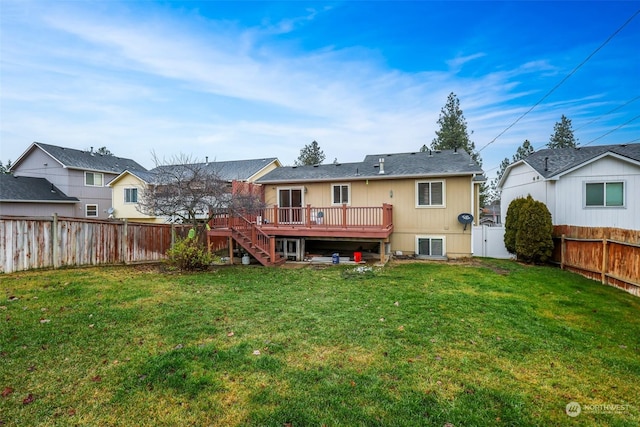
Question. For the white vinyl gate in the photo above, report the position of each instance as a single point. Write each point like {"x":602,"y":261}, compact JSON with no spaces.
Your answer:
{"x":489,"y":242}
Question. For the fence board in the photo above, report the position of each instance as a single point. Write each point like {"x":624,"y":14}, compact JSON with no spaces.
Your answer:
{"x":28,"y":243}
{"x":610,"y":255}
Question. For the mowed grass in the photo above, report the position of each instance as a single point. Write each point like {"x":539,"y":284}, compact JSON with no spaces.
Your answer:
{"x":481,"y":343}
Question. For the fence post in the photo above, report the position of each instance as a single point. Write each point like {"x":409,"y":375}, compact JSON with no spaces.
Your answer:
{"x":55,"y":236}
{"x":605,"y":257}
{"x":125,"y":241}
{"x":562,"y":252}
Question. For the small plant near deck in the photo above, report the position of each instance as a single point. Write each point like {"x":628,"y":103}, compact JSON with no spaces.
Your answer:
{"x":187,"y":254}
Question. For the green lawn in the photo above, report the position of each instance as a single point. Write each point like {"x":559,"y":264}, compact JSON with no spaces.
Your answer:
{"x":470,"y":344}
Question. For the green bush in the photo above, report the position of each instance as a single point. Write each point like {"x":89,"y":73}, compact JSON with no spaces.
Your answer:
{"x":188,"y":254}
{"x":511,"y":224}
{"x":534,"y":241}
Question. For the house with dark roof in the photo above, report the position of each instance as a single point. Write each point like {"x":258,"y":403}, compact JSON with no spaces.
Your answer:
{"x":76,"y":173}
{"x":28,"y":196}
{"x":595,"y":186}
{"x":418,"y":204}
{"x":129,"y":186}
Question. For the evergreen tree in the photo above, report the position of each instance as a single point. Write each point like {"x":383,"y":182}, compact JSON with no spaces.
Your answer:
{"x":534,"y":238}
{"x":523,"y":151}
{"x":5,"y":168}
{"x":311,"y":154}
{"x":453,"y":130}
{"x":511,"y":224}
{"x":453,"y":134}
{"x":562,"y":136}
{"x":104,"y":151}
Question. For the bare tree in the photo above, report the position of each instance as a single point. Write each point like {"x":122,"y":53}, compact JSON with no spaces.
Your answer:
{"x":194,"y":192}
{"x":186,"y":190}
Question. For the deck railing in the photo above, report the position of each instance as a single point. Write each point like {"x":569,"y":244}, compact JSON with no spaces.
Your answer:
{"x":260,"y":240}
{"x":346,"y":217}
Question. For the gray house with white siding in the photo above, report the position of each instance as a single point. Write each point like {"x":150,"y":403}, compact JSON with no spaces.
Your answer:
{"x":76,"y":173}
{"x":596,"y":186}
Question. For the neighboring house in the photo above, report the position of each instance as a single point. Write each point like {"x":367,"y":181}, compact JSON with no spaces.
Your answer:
{"x":77,"y":173}
{"x":406,"y":203}
{"x":130,"y":184}
{"x":28,"y":196}
{"x":596,"y":186}
{"x":490,"y":215}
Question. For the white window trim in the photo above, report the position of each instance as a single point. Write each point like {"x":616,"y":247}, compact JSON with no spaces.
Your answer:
{"x":430,"y":236}
{"x":444,"y":194}
{"x":86,"y":210}
{"x":93,"y":173}
{"x":348,"y":185}
{"x":605,"y":182}
{"x":302,"y":189}
{"x":124,"y":195}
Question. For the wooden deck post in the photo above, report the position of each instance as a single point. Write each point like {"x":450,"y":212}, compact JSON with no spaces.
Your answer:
{"x":307,"y":215}
{"x":272,"y":249}
{"x":253,"y":234}
{"x":344,"y":215}
{"x":275,"y":215}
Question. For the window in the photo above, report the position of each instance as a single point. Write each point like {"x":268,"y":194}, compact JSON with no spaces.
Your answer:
{"x":340,"y":194}
{"x":430,"y":246}
{"x":430,"y":193}
{"x":91,"y":210}
{"x":93,"y":179}
{"x":131,"y":195}
{"x":604,"y":194}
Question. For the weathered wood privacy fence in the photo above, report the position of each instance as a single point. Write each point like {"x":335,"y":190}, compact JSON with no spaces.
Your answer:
{"x":27,"y":243}
{"x":609,"y":255}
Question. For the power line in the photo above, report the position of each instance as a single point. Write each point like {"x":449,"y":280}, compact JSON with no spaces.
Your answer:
{"x":613,"y":130}
{"x":608,"y":112}
{"x":563,"y":80}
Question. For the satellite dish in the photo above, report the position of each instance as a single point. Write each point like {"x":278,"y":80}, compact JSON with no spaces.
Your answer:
{"x":466,"y":219}
{"x":110,"y":211}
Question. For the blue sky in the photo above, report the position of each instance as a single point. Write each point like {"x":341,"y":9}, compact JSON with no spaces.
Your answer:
{"x":239,"y":80}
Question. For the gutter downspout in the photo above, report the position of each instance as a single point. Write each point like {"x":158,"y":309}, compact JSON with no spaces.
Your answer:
{"x":473,"y":211}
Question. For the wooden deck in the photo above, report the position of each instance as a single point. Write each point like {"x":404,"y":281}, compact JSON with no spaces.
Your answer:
{"x":257,"y":233}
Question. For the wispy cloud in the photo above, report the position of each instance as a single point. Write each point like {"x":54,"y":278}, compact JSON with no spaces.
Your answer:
{"x":188,"y":83}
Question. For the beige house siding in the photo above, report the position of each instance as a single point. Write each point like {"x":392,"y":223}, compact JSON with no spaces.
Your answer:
{"x":128,"y":210}
{"x":271,"y":166}
{"x":409,"y":220}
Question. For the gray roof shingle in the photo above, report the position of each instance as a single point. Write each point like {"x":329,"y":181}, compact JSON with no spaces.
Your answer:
{"x":88,"y":160}
{"x":554,"y":161}
{"x":396,"y":165}
{"x":240,"y":170}
{"x":29,"y":189}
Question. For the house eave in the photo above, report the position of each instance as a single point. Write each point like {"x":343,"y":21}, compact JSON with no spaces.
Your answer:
{"x":379,"y":177}
{"x":71,"y":202}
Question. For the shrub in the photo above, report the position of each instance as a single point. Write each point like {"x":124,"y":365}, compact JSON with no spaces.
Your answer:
{"x":511,"y":224}
{"x":188,"y":254}
{"x":534,"y":242}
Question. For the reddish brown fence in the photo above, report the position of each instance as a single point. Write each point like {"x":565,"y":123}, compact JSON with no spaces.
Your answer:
{"x":27,"y":243}
{"x":609,"y":255}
